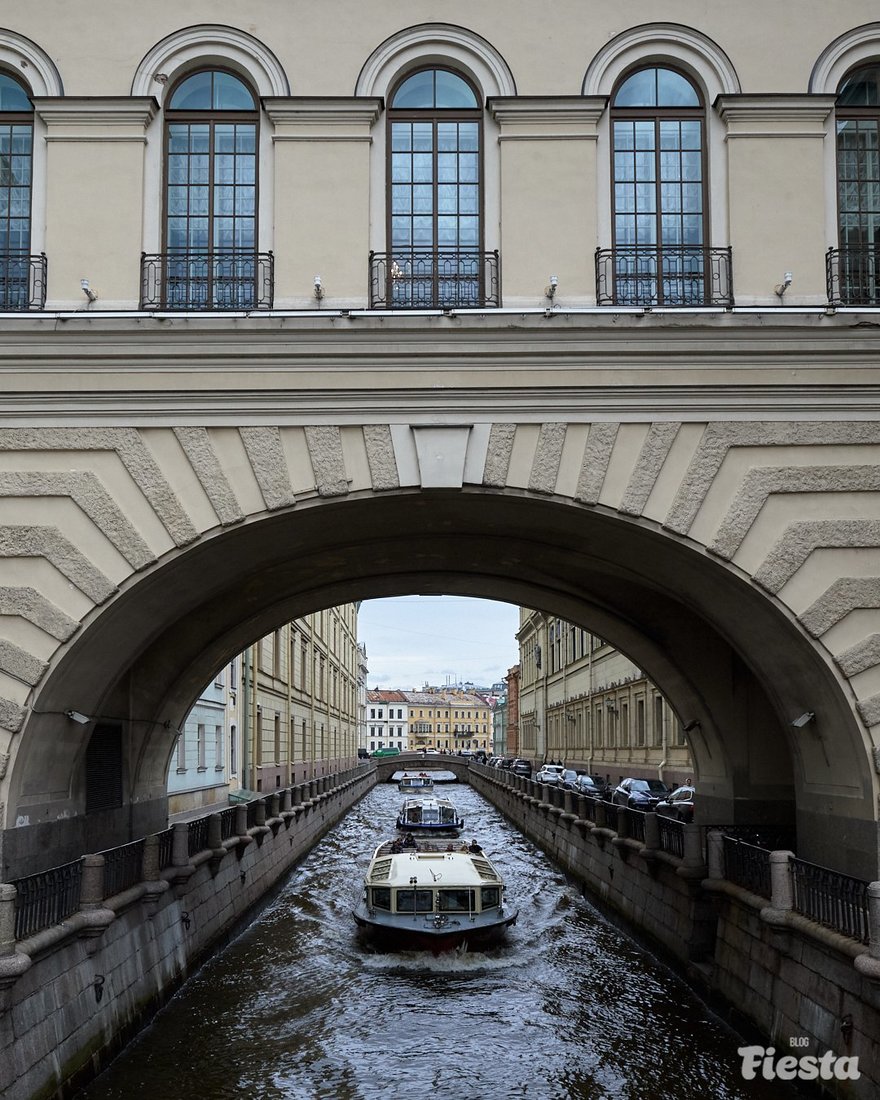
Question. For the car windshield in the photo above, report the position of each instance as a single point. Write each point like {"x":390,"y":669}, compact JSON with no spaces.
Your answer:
{"x":655,"y":785}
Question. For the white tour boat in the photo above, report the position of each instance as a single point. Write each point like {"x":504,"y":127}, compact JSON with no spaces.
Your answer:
{"x":429,"y":815}
{"x":411,"y":781}
{"x":432,"y":894}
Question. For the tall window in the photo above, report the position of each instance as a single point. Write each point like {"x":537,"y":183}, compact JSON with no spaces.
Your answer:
{"x":434,"y":228}
{"x":16,"y":172}
{"x":858,"y":185}
{"x":659,"y":191}
{"x":210,"y":228}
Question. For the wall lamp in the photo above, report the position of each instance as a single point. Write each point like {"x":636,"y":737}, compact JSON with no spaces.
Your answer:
{"x":784,"y":285}
{"x":87,"y":290}
{"x":694,"y":724}
{"x":550,"y":291}
{"x":804,"y":719}
{"x":319,"y":288}
{"x":77,"y":716}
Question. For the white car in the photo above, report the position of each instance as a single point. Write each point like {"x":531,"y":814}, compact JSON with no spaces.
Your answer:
{"x":550,"y":773}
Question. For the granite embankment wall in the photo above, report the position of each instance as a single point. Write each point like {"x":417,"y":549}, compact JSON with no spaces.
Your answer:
{"x":71,"y":996}
{"x":807,"y":989}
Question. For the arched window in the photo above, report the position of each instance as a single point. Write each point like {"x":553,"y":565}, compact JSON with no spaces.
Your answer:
{"x":858,"y":186}
{"x":22,"y":279}
{"x":659,"y":192}
{"x":434,"y":196}
{"x":210,"y":258}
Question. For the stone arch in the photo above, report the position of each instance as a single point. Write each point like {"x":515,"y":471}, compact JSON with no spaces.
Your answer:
{"x":618,"y":527}
{"x":850,"y":49}
{"x":32,"y":64}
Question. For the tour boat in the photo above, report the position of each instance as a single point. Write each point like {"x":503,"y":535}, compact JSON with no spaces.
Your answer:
{"x":432,"y":894}
{"x":420,"y":781}
{"x":429,"y":815}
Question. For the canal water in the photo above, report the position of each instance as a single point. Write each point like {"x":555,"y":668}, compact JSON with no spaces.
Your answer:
{"x":296,"y":1008}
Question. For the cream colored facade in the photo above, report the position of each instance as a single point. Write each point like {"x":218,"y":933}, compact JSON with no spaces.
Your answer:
{"x":585,"y":704}
{"x":698,"y":484}
{"x":450,"y":721}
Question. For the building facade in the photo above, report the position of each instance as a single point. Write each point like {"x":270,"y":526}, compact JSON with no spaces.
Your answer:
{"x":585,"y":704}
{"x":387,"y":720}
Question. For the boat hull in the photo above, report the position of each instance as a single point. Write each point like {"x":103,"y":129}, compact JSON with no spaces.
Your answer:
{"x":407,"y":937}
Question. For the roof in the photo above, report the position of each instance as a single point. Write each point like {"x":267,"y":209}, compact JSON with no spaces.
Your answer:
{"x":432,"y":867}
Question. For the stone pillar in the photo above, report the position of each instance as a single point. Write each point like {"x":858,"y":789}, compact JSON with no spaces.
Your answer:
{"x":873,"y":920}
{"x":215,"y":831}
{"x":297,"y":795}
{"x":8,"y":894}
{"x":150,"y":862}
{"x":693,"y":866}
{"x":241,"y":825}
{"x":781,"y":884}
{"x":180,"y":844}
{"x":260,"y":812}
{"x":285,"y":800}
{"x":622,"y":822}
{"x":715,"y":853}
{"x":274,"y":805}
{"x":91,"y":894}
{"x":652,"y":833}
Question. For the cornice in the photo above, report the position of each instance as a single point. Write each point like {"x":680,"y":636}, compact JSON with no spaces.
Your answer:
{"x":306,"y":116}
{"x":547,"y":116}
{"x":773,"y":108}
{"x":99,"y":117}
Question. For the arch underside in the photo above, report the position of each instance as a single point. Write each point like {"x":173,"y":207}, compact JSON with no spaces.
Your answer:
{"x":722,"y":651}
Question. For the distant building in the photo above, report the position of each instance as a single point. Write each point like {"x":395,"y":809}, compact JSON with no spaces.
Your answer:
{"x":387,"y":720}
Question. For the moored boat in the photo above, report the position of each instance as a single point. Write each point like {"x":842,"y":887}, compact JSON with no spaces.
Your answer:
{"x":432,"y":894}
{"x":412,"y":781}
{"x":429,"y":815}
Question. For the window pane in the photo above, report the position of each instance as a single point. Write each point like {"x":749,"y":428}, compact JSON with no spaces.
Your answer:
{"x":12,"y":95}
{"x":638,"y":90}
{"x":193,"y":94}
{"x":423,"y":137}
{"x":673,"y":90}
{"x":416,"y":91}
{"x":401,"y":137}
{"x":452,"y":91}
{"x":860,"y":88}
{"x":230,"y":94}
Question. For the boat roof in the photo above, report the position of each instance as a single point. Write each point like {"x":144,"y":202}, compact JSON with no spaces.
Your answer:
{"x":432,"y":863}
{"x":426,"y":801}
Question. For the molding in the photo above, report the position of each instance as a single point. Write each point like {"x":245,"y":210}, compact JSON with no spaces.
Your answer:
{"x":96,"y":118}
{"x":34,"y":66}
{"x":303,"y":118}
{"x":547,"y":110}
{"x":808,"y":111}
{"x":205,"y":44}
{"x":844,"y":53}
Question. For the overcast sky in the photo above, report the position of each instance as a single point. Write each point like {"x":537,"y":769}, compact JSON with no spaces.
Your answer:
{"x":414,"y":640}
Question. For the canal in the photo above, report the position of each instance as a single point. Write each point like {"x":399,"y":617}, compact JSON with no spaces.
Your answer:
{"x":297,"y":1009}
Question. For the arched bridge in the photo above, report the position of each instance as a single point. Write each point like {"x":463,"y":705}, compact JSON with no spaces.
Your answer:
{"x":200,"y":481}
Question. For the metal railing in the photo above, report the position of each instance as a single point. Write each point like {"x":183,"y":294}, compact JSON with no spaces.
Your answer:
{"x":830,"y":898}
{"x":635,"y":822}
{"x":449,"y":279}
{"x":46,"y":898}
{"x":252,"y":808}
{"x":671,"y":835}
{"x":197,"y":835}
{"x":679,"y":276}
{"x":227,"y":823}
{"x":611,"y":816}
{"x":747,"y":865}
{"x":852,"y":276}
{"x":196,"y":281}
{"x":166,"y":848}
{"x":123,"y":867}
{"x":589,"y":805}
{"x":22,"y":281}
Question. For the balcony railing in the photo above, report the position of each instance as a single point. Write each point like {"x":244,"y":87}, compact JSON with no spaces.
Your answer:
{"x":668,"y":276}
{"x":22,"y":282}
{"x":453,"y":279}
{"x":852,"y":276}
{"x":207,"y":280}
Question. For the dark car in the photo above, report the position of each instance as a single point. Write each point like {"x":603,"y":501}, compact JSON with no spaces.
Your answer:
{"x":590,"y":785}
{"x":566,"y":780}
{"x":679,"y":804}
{"x":639,"y":794}
{"x":521,"y":767}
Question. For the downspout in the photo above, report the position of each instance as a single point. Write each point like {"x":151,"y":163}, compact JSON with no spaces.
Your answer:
{"x":245,"y":718}
{"x":662,"y":763}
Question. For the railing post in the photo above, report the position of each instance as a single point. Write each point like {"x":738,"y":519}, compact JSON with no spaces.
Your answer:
{"x":693,"y":865}
{"x":715,"y":853}
{"x":150,"y":859}
{"x":622,"y":822}
{"x":179,"y":845}
{"x":781,"y":884}
{"x":215,"y":832}
{"x":241,"y":825}
{"x":652,"y":833}
{"x":869,"y":963}
{"x":91,"y":894}
{"x":8,"y":894}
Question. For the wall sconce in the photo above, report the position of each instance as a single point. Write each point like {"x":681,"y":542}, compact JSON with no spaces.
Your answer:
{"x":87,"y":290}
{"x":784,"y":285}
{"x":694,"y":724}
{"x":77,"y":716}
{"x":804,"y":719}
{"x":550,"y":291}
{"x":319,"y":288}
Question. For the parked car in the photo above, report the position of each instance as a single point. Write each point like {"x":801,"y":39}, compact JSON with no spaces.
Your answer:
{"x":522,"y":767}
{"x":550,"y":773}
{"x":363,"y":754}
{"x":679,"y":804}
{"x":567,"y":779}
{"x":639,"y":794}
{"x":590,"y":785}
{"x":391,"y":750}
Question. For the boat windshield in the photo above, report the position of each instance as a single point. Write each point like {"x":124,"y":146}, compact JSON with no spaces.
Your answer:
{"x":381,"y":897}
{"x":490,"y":897}
{"x":455,"y":901}
{"x":415,"y":901}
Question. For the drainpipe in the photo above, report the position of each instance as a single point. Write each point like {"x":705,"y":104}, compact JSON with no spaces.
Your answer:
{"x":590,"y":705}
{"x":245,"y":718}
{"x":662,"y":763}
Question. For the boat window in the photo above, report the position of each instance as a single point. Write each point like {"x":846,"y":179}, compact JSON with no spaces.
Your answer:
{"x":381,"y":897}
{"x":455,"y":901}
{"x":415,"y":901}
{"x":491,"y":897}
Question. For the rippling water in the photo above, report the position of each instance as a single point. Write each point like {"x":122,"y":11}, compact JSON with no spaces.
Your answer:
{"x":296,"y":1008}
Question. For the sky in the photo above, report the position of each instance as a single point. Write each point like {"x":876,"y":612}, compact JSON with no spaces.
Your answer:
{"x":438,"y":640}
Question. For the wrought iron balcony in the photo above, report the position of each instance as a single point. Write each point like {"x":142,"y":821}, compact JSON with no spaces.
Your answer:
{"x":22,"y":281}
{"x":667,"y":276}
{"x":198,"y":281}
{"x":451,"y":279}
{"x":852,"y":276}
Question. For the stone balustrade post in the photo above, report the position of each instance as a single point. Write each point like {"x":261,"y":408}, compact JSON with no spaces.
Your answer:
{"x":274,"y":805}
{"x":241,"y":825}
{"x":8,"y":894}
{"x":568,"y":802}
{"x":284,"y":805}
{"x":180,"y":844}
{"x":873,"y":920}
{"x":781,"y":881}
{"x":652,"y":833}
{"x":260,"y":812}
{"x":715,"y":853}
{"x":297,"y":794}
{"x":215,"y":832}
{"x":601,"y":816}
{"x":150,"y":860}
{"x":91,"y":895}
